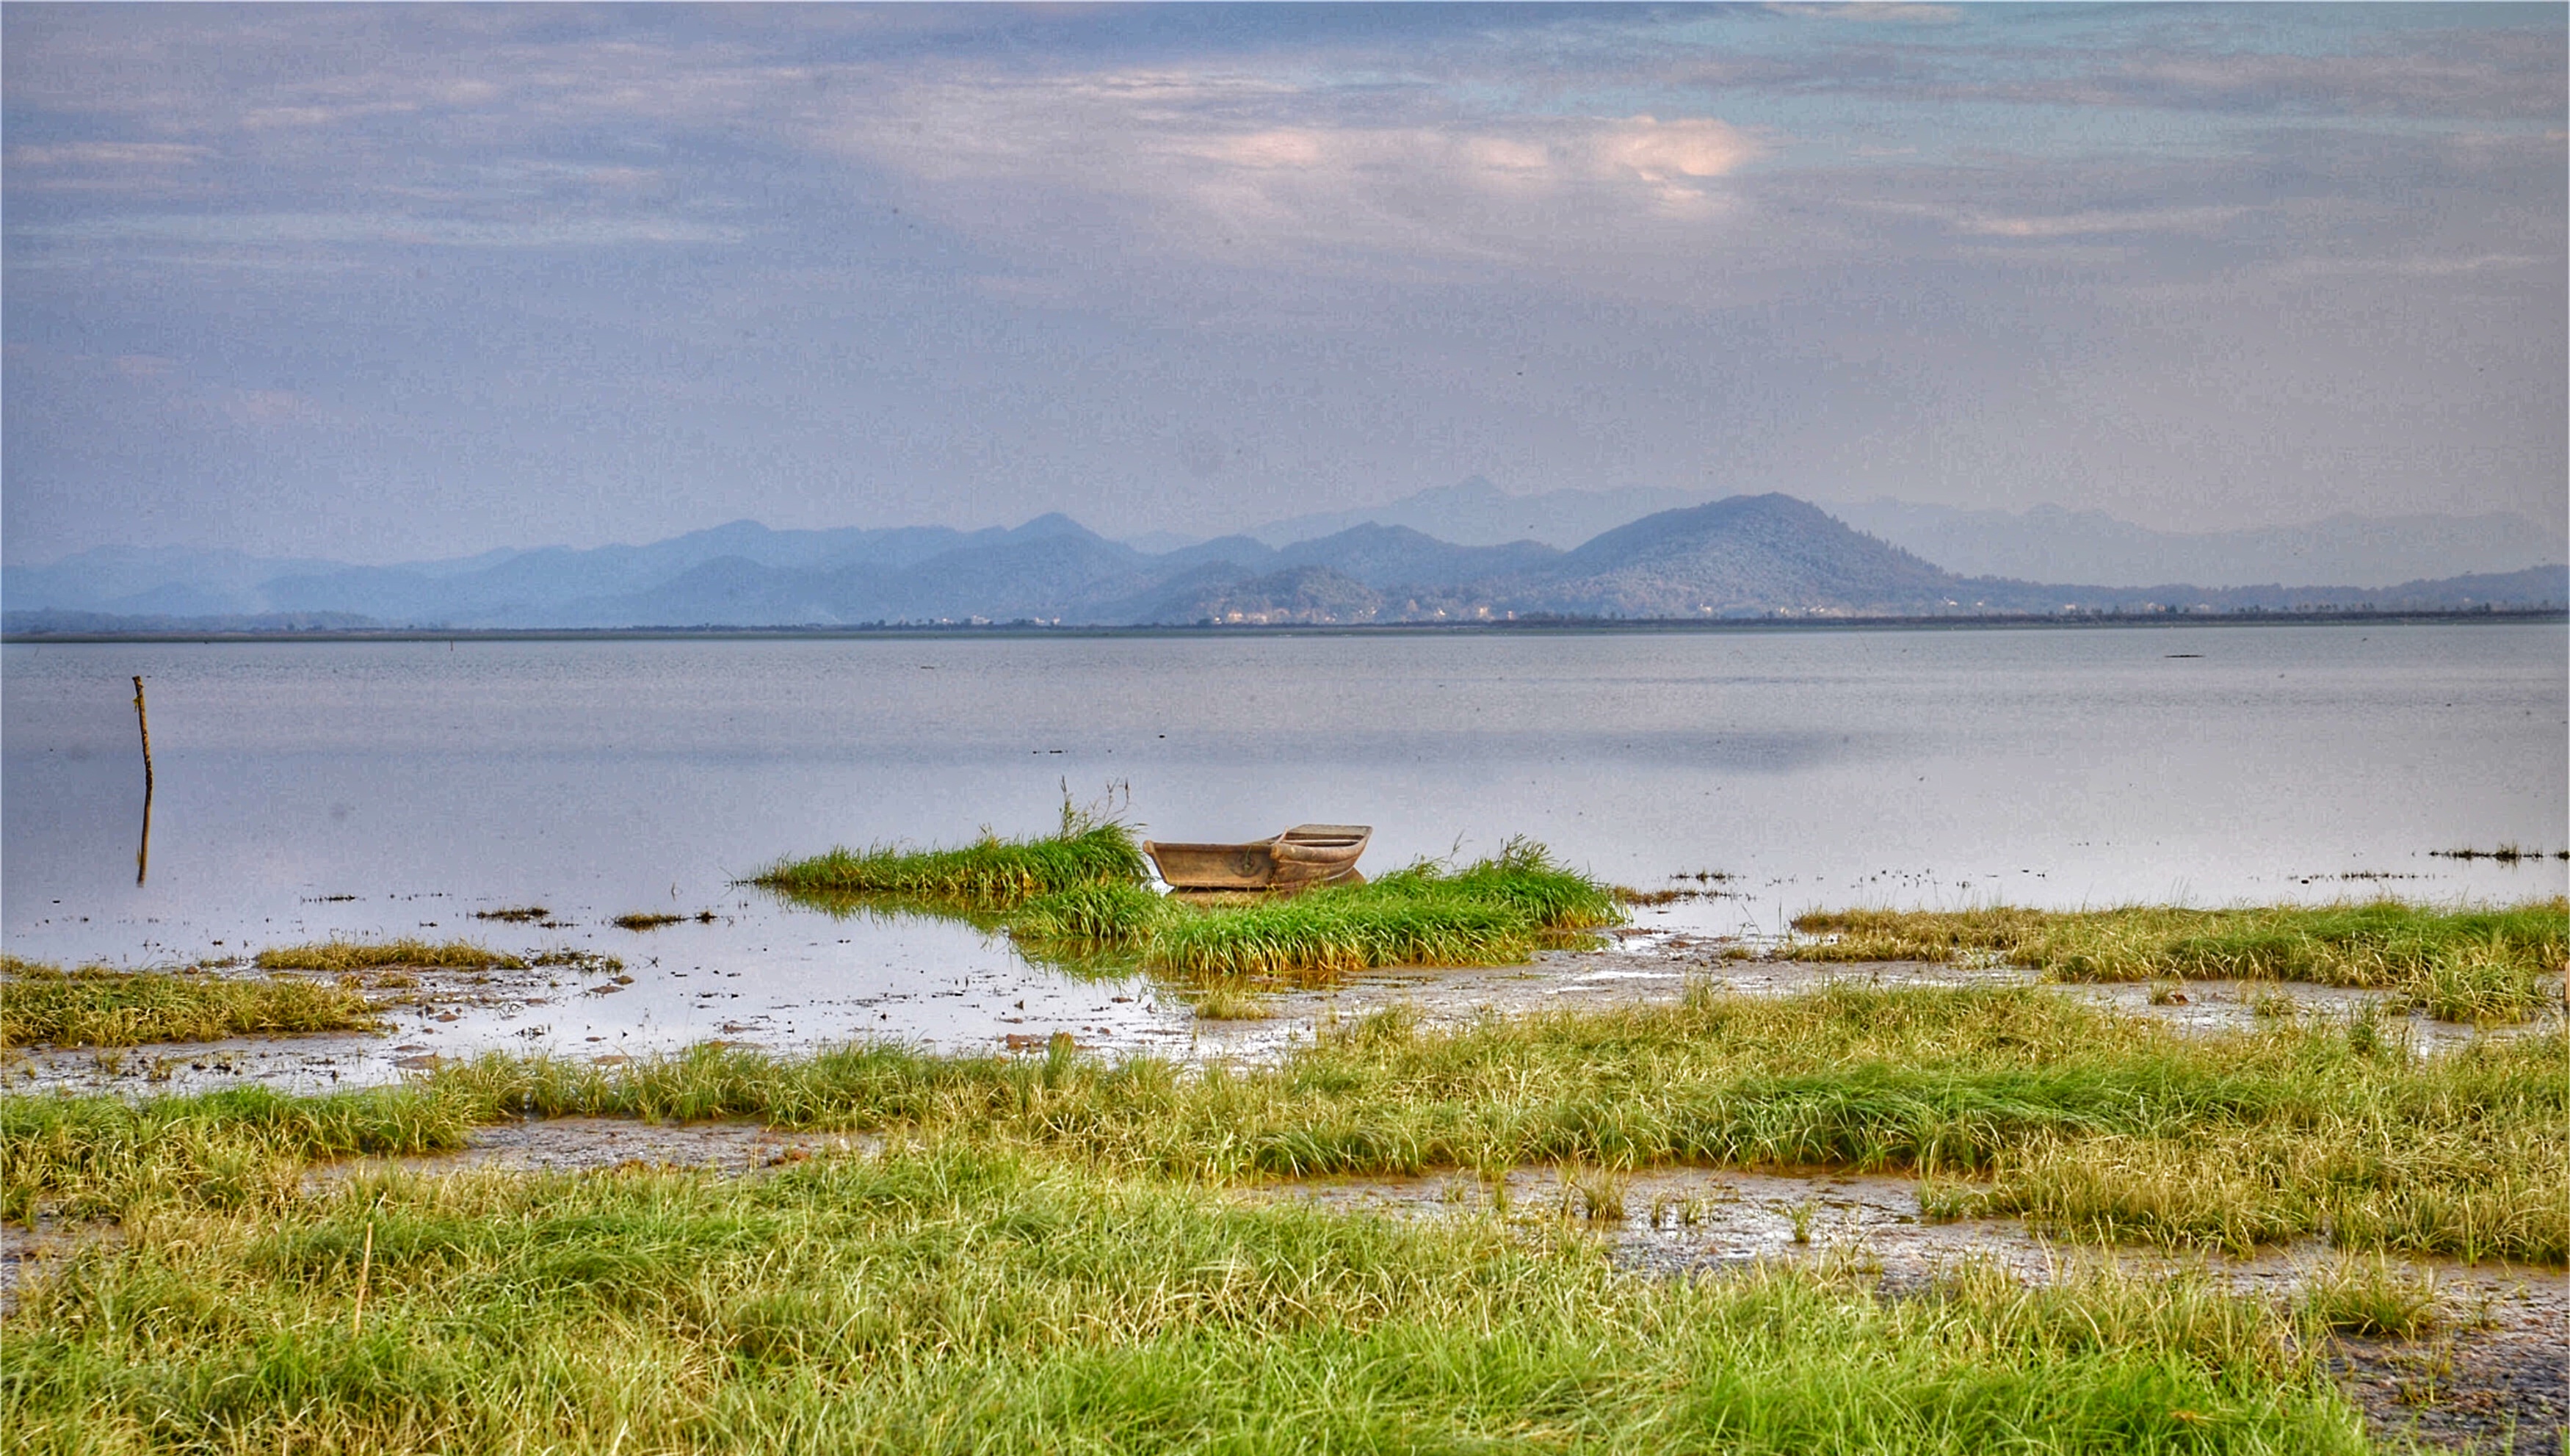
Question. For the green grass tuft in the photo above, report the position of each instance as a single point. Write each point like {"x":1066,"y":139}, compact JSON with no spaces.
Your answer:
{"x":41,"y":1005}
{"x":361,"y":955}
{"x":2370,"y":1296}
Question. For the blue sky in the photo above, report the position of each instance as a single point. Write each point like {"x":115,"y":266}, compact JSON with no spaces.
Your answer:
{"x":381,"y":283}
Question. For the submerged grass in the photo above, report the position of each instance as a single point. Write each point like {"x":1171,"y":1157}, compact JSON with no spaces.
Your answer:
{"x":962,"y":1297}
{"x":361,"y":955}
{"x":2461,"y":964}
{"x":42,"y":1005}
{"x":2102,"y":1125}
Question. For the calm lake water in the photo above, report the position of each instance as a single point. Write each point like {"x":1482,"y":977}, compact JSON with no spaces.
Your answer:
{"x":423,"y":780}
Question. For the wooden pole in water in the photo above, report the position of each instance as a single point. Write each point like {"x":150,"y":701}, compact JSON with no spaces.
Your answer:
{"x":143,"y":721}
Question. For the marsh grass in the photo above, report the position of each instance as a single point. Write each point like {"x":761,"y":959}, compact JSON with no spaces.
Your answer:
{"x":955,"y":1297}
{"x":991,"y":874}
{"x":2370,"y":1295}
{"x":1093,"y":917}
{"x":645,"y":921}
{"x":1492,"y":912}
{"x":2480,"y":965}
{"x":516,"y":915}
{"x":364,"y":955}
{"x":2017,"y":1100}
{"x":1596,"y":1195}
{"x":42,"y":1005}
{"x":589,"y":961}
{"x":1229,"y":1001}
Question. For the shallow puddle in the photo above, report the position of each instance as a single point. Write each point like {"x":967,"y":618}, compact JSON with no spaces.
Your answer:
{"x":1681,"y":1220}
{"x":2496,"y":1367}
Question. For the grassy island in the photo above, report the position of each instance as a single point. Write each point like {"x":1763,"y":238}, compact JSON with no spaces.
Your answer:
{"x":1084,"y":894}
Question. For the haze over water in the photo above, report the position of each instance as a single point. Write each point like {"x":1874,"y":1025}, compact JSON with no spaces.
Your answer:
{"x":2043,"y":766}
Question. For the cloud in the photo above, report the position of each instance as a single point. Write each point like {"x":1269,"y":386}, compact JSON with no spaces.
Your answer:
{"x":1868,"y":13}
{"x":2095,"y":222}
{"x":1262,"y":169}
{"x":239,"y":230}
{"x":107,"y":154}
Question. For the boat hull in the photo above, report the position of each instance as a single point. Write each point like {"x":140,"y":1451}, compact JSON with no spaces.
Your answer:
{"x":1303,"y":856}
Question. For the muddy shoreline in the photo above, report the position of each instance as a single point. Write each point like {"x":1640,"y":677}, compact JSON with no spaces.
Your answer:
{"x":433,"y":1016}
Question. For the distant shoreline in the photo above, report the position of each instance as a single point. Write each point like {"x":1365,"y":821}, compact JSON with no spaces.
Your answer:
{"x":1585,"y":625}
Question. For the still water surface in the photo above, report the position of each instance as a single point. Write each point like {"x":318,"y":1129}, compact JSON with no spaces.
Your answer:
{"x":423,"y":780}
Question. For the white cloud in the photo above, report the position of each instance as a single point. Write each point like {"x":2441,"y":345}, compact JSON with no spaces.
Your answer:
{"x":107,"y":154}
{"x":1262,"y":170}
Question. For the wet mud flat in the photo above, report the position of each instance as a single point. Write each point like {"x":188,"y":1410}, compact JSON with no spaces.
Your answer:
{"x":611,"y":1016}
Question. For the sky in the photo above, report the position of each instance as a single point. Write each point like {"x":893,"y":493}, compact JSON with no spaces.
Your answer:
{"x":384,"y":283}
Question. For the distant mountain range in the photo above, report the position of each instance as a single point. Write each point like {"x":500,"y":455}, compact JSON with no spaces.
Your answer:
{"x":1747,"y":555}
{"x":2044,"y":544}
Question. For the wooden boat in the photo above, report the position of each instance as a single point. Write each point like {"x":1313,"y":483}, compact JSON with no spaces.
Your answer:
{"x":1301,"y":857}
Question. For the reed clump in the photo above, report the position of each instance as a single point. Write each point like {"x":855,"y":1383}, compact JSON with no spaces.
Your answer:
{"x":2470,"y":964}
{"x":95,"y":1006}
{"x":956,"y":1296}
{"x":363,"y":955}
{"x":2370,"y":1295}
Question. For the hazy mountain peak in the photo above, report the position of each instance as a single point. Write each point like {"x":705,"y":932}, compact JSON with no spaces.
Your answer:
{"x":1475,"y":512}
